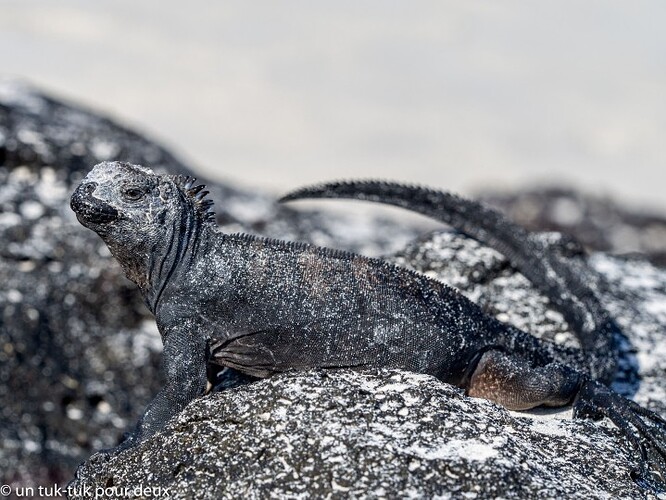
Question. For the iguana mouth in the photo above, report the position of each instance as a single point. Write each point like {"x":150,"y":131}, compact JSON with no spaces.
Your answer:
{"x":91,"y":209}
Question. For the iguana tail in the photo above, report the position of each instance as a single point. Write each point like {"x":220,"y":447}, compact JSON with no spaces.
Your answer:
{"x":541,"y":261}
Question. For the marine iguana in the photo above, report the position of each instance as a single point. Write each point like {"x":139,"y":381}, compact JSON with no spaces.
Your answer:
{"x":264,"y":306}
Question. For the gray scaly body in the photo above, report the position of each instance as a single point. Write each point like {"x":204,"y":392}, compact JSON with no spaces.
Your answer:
{"x":264,"y":306}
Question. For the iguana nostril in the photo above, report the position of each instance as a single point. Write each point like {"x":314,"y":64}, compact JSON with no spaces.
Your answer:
{"x":89,"y":188}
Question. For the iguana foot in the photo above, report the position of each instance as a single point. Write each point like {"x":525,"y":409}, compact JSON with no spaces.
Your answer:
{"x":644,"y":429}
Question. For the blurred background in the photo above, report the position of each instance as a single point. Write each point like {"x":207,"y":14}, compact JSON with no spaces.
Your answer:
{"x":458,"y":95}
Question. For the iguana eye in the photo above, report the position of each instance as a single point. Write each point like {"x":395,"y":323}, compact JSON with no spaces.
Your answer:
{"x":133,"y":193}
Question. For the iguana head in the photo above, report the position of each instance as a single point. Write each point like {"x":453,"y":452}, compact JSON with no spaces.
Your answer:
{"x":133,"y":210}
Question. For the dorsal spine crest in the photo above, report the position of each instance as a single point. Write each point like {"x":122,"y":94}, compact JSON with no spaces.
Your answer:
{"x":197,"y":195}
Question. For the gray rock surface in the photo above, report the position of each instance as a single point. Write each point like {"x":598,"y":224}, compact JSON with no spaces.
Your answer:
{"x":79,"y":353}
{"x":379,"y":434}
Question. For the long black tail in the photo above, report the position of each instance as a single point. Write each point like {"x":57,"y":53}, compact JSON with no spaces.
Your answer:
{"x":543,"y":263}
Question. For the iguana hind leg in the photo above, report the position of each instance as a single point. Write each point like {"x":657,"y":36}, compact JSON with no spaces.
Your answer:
{"x":513,"y":383}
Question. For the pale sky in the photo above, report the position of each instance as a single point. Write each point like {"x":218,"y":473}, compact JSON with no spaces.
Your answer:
{"x":456,"y":95}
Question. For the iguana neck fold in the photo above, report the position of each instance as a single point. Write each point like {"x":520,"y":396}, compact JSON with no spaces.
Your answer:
{"x":176,"y":250}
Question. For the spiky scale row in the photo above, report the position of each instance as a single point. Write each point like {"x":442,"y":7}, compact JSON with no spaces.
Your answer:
{"x":197,"y":194}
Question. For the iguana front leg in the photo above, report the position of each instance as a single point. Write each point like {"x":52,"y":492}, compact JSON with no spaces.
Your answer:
{"x":184,"y":364}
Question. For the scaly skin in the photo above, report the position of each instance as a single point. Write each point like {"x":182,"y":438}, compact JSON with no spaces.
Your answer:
{"x":264,"y":306}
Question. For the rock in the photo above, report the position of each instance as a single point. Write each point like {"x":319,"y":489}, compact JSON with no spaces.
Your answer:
{"x":396,"y":434}
{"x":342,"y":434}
